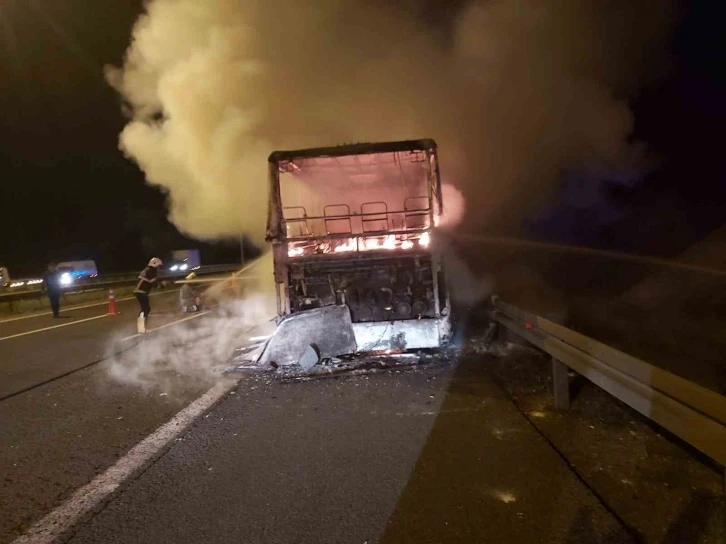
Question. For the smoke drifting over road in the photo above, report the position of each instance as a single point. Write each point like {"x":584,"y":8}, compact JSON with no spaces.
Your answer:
{"x":513,"y":91}
{"x":198,"y":350}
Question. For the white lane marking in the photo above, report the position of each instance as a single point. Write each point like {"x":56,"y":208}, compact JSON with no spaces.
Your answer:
{"x":104,"y":486}
{"x":84,"y":307}
{"x":53,"y":327}
{"x":162,"y":327}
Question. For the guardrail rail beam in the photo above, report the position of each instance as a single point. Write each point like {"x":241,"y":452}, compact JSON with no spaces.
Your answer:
{"x":693,"y":413}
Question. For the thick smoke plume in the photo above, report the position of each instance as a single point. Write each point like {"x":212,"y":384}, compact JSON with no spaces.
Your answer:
{"x":512,"y":90}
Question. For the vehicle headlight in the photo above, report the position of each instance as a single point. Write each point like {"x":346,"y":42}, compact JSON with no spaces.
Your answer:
{"x":174,"y":268}
{"x":66,"y":279}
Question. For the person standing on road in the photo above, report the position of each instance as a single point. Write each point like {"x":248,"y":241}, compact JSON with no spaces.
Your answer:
{"x":148,"y":279}
{"x":52,"y":287}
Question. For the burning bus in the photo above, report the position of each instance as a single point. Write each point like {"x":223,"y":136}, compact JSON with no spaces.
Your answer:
{"x":351,"y":235}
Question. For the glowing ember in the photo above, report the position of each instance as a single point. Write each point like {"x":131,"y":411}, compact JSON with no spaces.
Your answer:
{"x":372,"y":244}
{"x":388,"y":242}
{"x":346,"y":246}
{"x":504,"y":496}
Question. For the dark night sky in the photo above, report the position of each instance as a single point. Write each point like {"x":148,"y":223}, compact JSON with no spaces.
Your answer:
{"x":682,"y":118}
{"x":67,"y":192}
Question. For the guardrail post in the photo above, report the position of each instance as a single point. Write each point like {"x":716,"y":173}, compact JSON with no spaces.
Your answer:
{"x":560,"y":385}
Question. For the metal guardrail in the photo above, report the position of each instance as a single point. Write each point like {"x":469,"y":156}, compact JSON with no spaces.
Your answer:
{"x":118,"y":281}
{"x":693,"y":413}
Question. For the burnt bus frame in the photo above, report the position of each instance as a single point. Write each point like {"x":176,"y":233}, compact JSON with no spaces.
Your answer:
{"x":276,"y":233}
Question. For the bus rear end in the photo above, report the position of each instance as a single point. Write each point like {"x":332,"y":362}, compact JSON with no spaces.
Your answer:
{"x":351,"y":226}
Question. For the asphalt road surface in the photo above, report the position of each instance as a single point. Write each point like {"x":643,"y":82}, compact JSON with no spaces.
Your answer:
{"x":439,"y":454}
{"x":57,"y":433}
{"x":412,"y":457}
{"x":442,"y":453}
{"x":78,"y":392}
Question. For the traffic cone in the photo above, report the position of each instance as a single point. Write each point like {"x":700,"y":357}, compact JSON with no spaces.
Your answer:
{"x":112,"y":310}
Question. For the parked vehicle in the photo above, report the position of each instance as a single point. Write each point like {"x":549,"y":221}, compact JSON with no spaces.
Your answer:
{"x":71,"y":272}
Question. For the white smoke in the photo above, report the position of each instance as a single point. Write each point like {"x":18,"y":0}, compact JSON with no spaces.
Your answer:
{"x":513,"y":91}
{"x":193,"y":352}
{"x":198,"y":350}
{"x":454,"y":206}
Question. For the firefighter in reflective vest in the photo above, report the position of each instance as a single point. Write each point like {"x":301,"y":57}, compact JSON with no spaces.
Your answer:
{"x":148,"y":279}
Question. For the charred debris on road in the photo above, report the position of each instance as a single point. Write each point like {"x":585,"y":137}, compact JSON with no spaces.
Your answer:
{"x":246,"y":360}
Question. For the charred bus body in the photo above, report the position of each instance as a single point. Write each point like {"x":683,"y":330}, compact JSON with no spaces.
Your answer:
{"x":351,"y":226}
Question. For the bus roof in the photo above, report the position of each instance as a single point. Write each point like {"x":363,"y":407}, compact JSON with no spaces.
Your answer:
{"x":353,"y":149}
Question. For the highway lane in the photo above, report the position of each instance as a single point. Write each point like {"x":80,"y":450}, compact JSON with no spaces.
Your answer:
{"x":57,"y":437}
{"x":440,"y":454}
{"x":57,"y":434}
{"x":14,"y":325}
{"x":435,"y":455}
{"x":38,"y":349}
